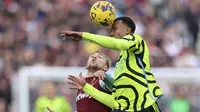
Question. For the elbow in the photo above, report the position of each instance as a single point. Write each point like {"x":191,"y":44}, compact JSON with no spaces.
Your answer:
{"x":115,"y":105}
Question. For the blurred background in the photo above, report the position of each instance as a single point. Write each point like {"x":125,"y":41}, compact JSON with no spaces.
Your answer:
{"x":29,"y":36}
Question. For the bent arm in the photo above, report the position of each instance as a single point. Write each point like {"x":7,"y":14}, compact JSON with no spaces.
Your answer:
{"x":110,"y":42}
{"x":102,"y":97}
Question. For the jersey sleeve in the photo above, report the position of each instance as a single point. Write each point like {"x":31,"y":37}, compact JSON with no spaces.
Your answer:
{"x":125,"y":43}
{"x":103,"y":86}
{"x":102,"y":97}
{"x":109,"y":81}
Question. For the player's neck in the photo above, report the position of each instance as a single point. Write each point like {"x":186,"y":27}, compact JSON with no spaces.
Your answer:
{"x":91,"y":71}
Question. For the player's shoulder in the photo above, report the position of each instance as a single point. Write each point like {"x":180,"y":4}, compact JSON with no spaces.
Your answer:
{"x":132,"y":36}
{"x":103,"y":86}
{"x":41,"y":100}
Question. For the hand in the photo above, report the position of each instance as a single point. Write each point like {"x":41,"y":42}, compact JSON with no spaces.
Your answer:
{"x":99,"y":75}
{"x":77,"y":82}
{"x":76,"y":36}
{"x":50,"y":109}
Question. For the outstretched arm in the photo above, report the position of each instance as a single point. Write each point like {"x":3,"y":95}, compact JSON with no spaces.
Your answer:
{"x":113,"y":43}
{"x":125,"y":43}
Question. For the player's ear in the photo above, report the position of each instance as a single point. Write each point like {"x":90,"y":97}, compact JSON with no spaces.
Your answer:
{"x":105,"y":68}
{"x":86,"y":67}
{"x":128,"y":30}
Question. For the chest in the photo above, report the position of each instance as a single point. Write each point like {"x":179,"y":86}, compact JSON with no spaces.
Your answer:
{"x":121,"y":63}
{"x":84,"y":97}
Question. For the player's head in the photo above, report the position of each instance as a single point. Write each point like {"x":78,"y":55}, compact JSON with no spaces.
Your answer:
{"x":98,"y":61}
{"x":122,"y":26}
{"x":48,"y":89}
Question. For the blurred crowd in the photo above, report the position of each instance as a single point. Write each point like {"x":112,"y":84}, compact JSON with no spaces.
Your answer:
{"x":29,"y":33}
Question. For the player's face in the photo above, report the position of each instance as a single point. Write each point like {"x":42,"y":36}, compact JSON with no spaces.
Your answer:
{"x":119,"y":29}
{"x":50,"y":89}
{"x":97,"y":61}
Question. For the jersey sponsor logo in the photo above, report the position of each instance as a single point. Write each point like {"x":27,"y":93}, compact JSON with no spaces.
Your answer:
{"x":82,"y":95}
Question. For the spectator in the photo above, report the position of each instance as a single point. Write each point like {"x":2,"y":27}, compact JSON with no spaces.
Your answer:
{"x":2,"y":105}
{"x":48,"y":98}
{"x":5,"y":94}
{"x":179,"y":103}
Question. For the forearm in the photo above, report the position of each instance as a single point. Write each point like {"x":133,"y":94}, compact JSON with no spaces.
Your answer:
{"x":102,"y":97}
{"x":108,"y":42}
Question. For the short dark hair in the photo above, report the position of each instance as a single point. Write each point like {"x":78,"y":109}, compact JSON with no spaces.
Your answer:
{"x":128,"y":21}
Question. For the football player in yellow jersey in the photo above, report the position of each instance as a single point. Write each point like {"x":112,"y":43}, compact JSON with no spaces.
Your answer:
{"x":135,"y":88}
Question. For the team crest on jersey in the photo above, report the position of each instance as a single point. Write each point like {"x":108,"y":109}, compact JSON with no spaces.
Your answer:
{"x":82,"y":95}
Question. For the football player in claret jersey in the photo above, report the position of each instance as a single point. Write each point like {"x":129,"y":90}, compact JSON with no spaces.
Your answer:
{"x":84,"y":102}
{"x":135,"y":88}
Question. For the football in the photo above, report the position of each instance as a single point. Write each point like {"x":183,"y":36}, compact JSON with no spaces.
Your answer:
{"x":102,"y":13}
